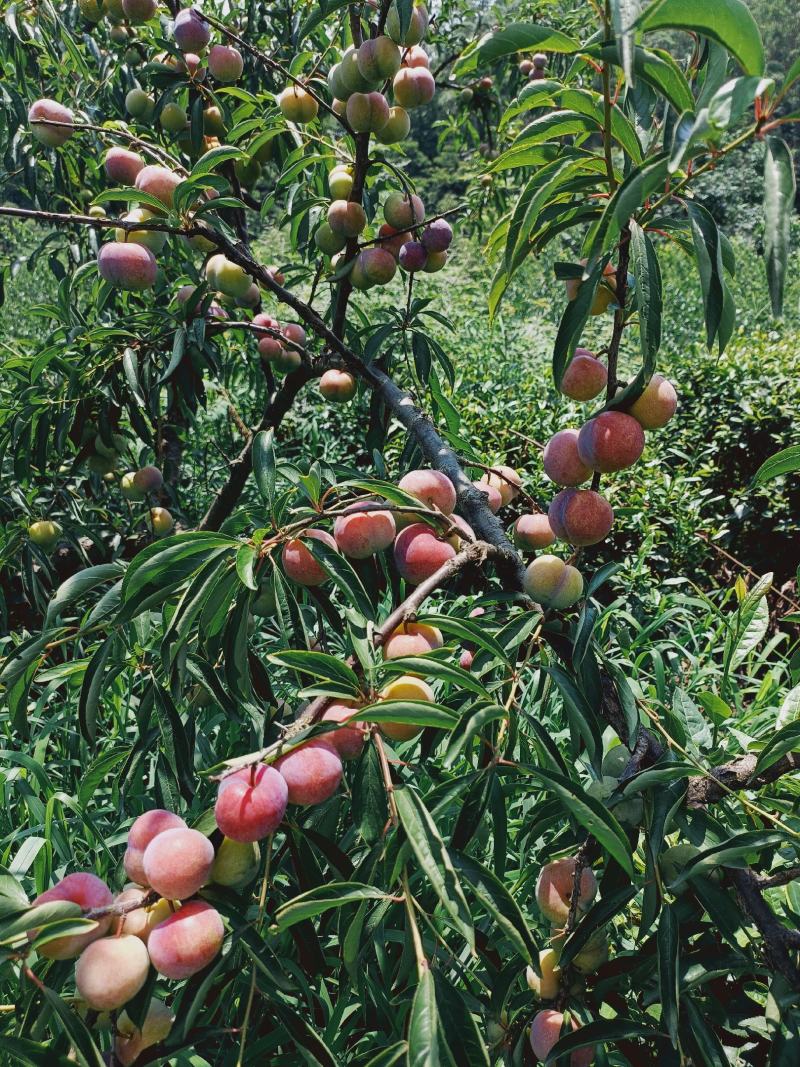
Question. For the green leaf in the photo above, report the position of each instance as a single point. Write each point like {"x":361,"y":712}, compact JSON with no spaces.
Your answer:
{"x":264,"y":464}
{"x":87,"y":1053}
{"x":644,"y":264}
{"x":212,"y":159}
{"x":641,"y":182}
{"x":779,"y":195}
{"x":434,"y":859}
{"x":708,"y":253}
{"x":516,"y":37}
{"x":77,"y":585}
{"x":668,"y":948}
{"x":457,"y":1026}
{"x":624,"y":14}
{"x":601,"y":1032}
{"x":423,"y":1025}
{"x":322,"y":899}
{"x":430,"y":667}
{"x":342,"y":574}
{"x":785,"y":740}
{"x":599,"y":915}
{"x":92,"y":687}
{"x":728,"y":853}
{"x":413,"y":712}
{"x":246,"y":560}
{"x":654,"y":67}
{"x":729,"y":22}
{"x":499,"y":903}
{"x":319,"y":665}
{"x":370,"y":808}
{"x":787,"y":461}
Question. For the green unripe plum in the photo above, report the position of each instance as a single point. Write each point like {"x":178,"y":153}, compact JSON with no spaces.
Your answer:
{"x":133,"y":57}
{"x":340,"y":182}
{"x":131,"y":1041}
{"x":161,"y":521}
{"x":44,"y":533}
{"x":152,"y":239}
{"x":434,"y":262}
{"x":173,"y":118}
{"x":128,"y":487}
{"x":50,"y":135}
{"x":92,"y":10}
{"x":466,"y":95}
{"x":593,"y":954}
{"x":552,"y":582}
{"x":401,"y":211}
{"x":336,"y":84}
{"x":367,"y":112}
{"x":417,"y":28}
{"x":139,"y":104}
{"x":349,"y":78}
{"x":627,"y":811}
{"x":674,"y":860}
{"x":265,"y":603}
{"x":265,"y":151}
{"x":229,"y":278}
{"x":378,"y":59}
{"x":615,"y":761}
{"x":118,"y":444}
{"x":346,"y":218}
{"x":97,"y":212}
{"x":139,"y":10}
{"x":327,"y":241}
{"x":248,"y":171}
{"x":213,"y":122}
{"x":102,"y":464}
{"x":297,"y":105}
{"x":236,"y":863}
{"x":396,"y":128}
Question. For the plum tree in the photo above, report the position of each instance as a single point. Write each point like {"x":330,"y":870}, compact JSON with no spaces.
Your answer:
{"x":299,"y":563}
{"x":611,"y":441}
{"x":177,"y":862}
{"x":187,"y":941}
{"x":361,"y":532}
{"x":312,"y":772}
{"x":111,"y":971}
{"x":251,"y":803}
{"x":580,"y":516}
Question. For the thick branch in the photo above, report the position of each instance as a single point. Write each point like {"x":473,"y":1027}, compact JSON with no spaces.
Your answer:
{"x":737,"y":775}
{"x":779,"y":944}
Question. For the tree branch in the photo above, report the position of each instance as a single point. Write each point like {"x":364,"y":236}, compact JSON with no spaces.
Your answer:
{"x":778,"y":940}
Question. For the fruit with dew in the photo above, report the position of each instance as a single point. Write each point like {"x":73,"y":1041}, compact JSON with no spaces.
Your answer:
{"x":656,"y":405}
{"x":396,"y":128}
{"x":161,"y":521}
{"x":378,"y":59}
{"x":561,"y":461}
{"x":139,"y":104}
{"x":141,"y":921}
{"x":312,"y":772}
{"x":340,"y":182}
{"x":152,"y":239}
{"x":190,"y":30}
{"x":139,"y":10}
{"x":297,"y":104}
{"x":111,"y":971}
{"x":45,"y":133}
{"x":338,"y":386}
{"x":419,"y":553}
{"x":146,"y":827}
{"x":431,"y":488}
{"x":44,"y":533}
{"x":580,"y":516}
{"x":611,"y":441}
{"x":158,"y":182}
{"x":506,"y":480}
{"x":361,"y":533}
{"x":187,"y":941}
{"x":127,"y":266}
{"x":416,"y":29}
{"x":411,"y":639}
{"x":177,"y":862}
{"x":545,"y":1032}
{"x":225,"y":63}
{"x":413,"y":87}
{"x":87,"y":891}
{"x":492,"y":494}
{"x":298,"y":562}
{"x":545,"y":984}
{"x":346,"y":218}
{"x":348,"y":740}
{"x":406,"y":687}
{"x":236,"y":863}
{"x":122,"y":166}
{"x":532,"y":532}
{"x":585,"y":377}
{"x":250,"y":803}
{"x":401,"y":210}
{"x":554,"y":888}
{"x":131,"y":1042}
{"x":552,"y":582}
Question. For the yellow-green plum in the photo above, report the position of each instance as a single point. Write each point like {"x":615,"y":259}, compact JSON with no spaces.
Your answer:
{"x":44,"y":533}
{"x":585,"y":377}
{"x":656,"y":405}
{"x":552,"y":582}
{"x":580,"y":516}
{"x":152,"y":239}
{"x":554,"y":889}
{"x":413,"y":87}
{"x":674,"y":860}
{"x":248,"y":171}
{"x":250,"y":803}
{"x":367,"y":112}
{"x":406,"y":687}
{"x":177,"y":862}
{"x":51,"y":135}
{"x":128,"y":488}
{"x":615,"y":761}
{"x":605,"y":293}
{"x":225,"y":63}
{"x":297,"y":104}
{"x":434,"y":262}
{"x":127,"y":265}
{"x":340,"y":182}
{"x":161,"y":521}
{"x":173,"y":118}
{"x":236,"y":863}
{"x":92,"y":10}
{"x":416,"y":29}
{"x":141,"y":921}
{"x":312,"y":772}
{"x":532,"y":532}
{"x":88,"y":892}
{"x":328,"y":242}
{"x":187,"y":941}
{"x":228,"y":277}
{"x":396,"y":128}
{"x":545,"y":984}
{"x":298,"y":562}
{"x":139,"y":10}
{"x":378,"y":59}
{"x":139,"y":104}
{"x":111,"y":971}
{"x":611,"y":441}
{"x":131,"y":1042}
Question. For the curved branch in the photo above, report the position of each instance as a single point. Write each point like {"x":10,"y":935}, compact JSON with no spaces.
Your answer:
{"x":779,"y":941}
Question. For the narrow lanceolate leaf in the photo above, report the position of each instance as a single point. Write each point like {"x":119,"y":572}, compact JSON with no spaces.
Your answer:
{"x":648,"y":295}
{"x":779,"y":193}
{"x":598,"y":916}
{"x":602,"y":1032}
{"x":264,"y":464}
{"x":318,"y":665}
{"x":434,"y":859}
{"x":708,"y":253}
{"x":728,"y":21}
{"x":590,"y":813}
{"x":623,"y":16}
{"x":323,"y":898}
{"x":668,"y":946}
{"x":412,"y":712}
{"x":640,"y":183}
{"x":731,"y":852}
{"x":786,"y":461}
{"x":573,"y":321}
{"x":423,"y":1025}
{"x":499,"y":904}
{"x":457,"y":1027}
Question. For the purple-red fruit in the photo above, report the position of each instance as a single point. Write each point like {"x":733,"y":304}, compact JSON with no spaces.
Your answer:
{"x":580,"y":516}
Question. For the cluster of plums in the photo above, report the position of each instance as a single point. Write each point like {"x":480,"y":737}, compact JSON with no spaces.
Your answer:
{"x":534,"y":68}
